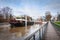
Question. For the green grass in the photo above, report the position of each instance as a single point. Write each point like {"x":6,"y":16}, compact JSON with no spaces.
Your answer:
{"x":57,"y":23}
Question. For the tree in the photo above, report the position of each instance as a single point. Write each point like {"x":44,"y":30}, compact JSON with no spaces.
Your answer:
{"x":58,"y":16}
{"x":7,"y":13}
{"x":11,"y":16}
{"x":48,"y":16}
{"x":1,"y":18}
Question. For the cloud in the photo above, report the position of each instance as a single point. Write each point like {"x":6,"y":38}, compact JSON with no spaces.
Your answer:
{"x":31,"y":7}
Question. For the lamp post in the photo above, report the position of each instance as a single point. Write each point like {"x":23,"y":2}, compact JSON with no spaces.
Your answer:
{"x":26,"y":23}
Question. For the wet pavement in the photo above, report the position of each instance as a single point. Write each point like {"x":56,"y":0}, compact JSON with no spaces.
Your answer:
{"x":51,"y":33}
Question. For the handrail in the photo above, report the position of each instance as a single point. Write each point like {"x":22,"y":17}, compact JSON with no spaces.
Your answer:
{"x":41,"y":30}
{"x":35,"y":32}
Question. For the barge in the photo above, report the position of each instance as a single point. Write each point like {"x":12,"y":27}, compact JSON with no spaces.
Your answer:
{"x":20,"y":23}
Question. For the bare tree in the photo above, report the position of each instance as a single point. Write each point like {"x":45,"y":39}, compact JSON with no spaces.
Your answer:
{"x":7,"y":13}
{"x":1,"y":18}
{"x":48,"y":16}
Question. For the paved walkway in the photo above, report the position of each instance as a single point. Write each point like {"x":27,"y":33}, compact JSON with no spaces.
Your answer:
{"x":51,"y":33}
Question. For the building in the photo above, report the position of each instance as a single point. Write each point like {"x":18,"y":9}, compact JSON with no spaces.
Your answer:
{"x":58,"y":17}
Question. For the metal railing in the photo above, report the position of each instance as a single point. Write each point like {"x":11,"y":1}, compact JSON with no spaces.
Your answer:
{"x":38,"y":35}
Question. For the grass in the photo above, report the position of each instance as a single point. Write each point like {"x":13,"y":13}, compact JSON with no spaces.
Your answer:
{"x":57,"y":23}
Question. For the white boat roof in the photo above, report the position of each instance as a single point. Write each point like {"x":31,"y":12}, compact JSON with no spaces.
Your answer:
{"x":21,"y":19}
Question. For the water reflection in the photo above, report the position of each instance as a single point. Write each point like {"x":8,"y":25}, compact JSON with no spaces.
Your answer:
{"x":19,"y":32}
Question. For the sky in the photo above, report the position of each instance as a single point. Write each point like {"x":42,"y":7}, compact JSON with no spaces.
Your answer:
{"x":33,"y":8}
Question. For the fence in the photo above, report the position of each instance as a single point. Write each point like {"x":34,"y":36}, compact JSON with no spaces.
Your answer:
{"x":38,"y":35}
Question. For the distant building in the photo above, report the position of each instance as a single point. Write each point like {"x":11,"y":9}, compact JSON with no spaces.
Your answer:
{"x":58,"y":17}
{"x":55,"y":18}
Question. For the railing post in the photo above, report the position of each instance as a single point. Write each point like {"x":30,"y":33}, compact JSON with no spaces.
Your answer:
{"x":34,"y":37}
{"x":39,"y":34}
{"x":42,"y":31}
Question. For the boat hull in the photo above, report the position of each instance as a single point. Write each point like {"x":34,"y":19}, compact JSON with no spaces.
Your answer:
{"x":18,"y":24}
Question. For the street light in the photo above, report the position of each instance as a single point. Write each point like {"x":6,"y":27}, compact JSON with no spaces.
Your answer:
{"x":26,"y":23}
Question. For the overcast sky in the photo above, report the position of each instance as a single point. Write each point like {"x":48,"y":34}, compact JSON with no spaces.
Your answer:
{"x":34,"y":8}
